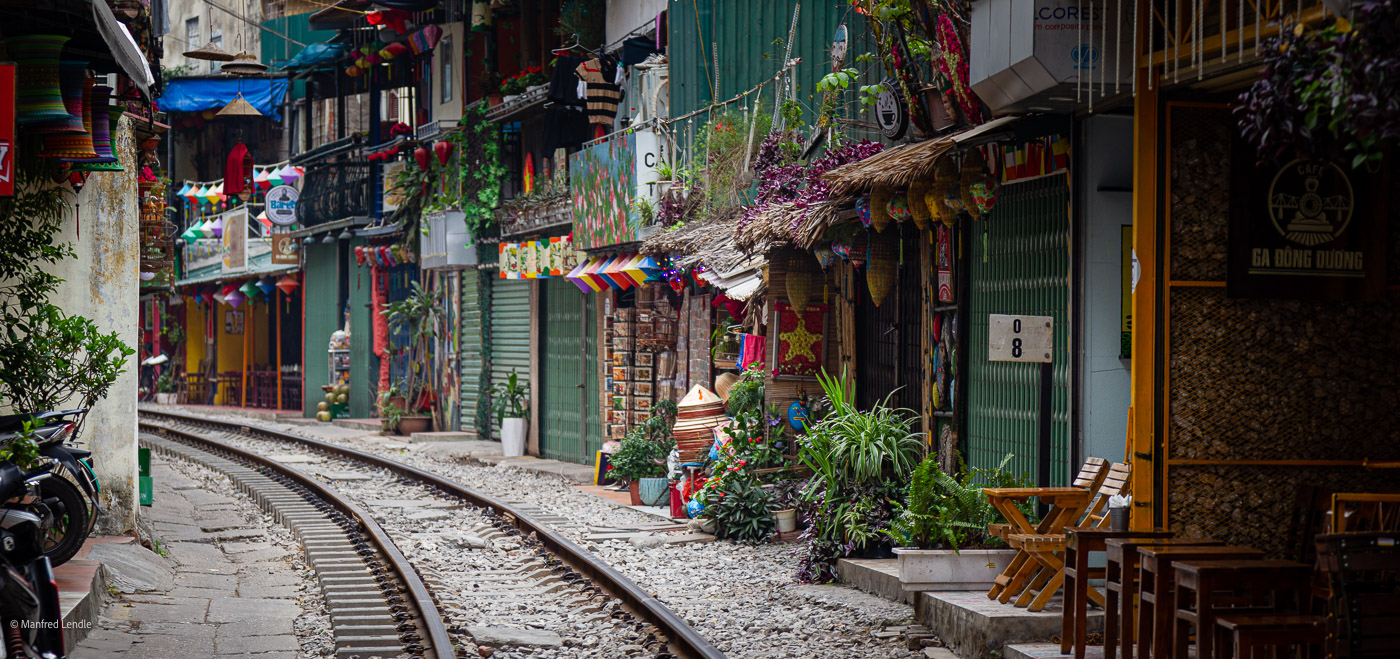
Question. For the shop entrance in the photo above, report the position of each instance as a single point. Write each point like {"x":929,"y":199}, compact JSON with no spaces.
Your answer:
{"x":570,"y":427}
{"x":888,"y":340}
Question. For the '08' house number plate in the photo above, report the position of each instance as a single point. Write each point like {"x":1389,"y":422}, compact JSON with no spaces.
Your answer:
{"x":1020,"y":338}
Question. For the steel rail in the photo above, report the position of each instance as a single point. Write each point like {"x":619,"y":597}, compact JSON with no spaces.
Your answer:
{"x":431,"y":619}
{"x":684,"y":641}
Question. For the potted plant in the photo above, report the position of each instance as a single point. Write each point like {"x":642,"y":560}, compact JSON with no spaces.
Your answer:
{"x":941,"y":532}
{"x":392,"y":398}
{"x":741,"y":510}
{"x":786,"y":497}
{"x":419,"y":314}
{"x":636,"y":460}
{"x":392,"y":416}
{"x":509,"y":400}
{"x":165,"y":387}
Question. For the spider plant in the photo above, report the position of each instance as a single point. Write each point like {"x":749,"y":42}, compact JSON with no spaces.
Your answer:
{"x":851,"y":447}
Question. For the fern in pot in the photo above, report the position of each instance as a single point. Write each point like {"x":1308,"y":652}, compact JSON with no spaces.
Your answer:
{"x":941,"y":531}
{"x":510,"y":400}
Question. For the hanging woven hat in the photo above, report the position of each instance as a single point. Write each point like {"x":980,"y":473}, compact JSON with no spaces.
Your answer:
{"x":884,"y":263}
{"x":71,"y":74}
{"x":38,"y":97}
{"x":918,"y":204}
{"x":74,"y":147}
{"x":210,"y":52}
{"x":971,"y":173}
{"x":879,"y":208}
{"x":799,"y":278}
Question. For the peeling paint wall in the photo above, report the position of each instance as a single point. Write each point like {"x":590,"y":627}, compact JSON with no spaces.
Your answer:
{"x":102,"y":284}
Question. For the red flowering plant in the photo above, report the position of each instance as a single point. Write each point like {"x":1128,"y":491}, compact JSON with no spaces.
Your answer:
{"x":518,"y":83}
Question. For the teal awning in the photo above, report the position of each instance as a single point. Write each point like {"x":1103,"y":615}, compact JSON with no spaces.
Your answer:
{"x":316,"y":54}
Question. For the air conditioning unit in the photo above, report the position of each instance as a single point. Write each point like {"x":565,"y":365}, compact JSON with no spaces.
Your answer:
{"x":447,"y":245}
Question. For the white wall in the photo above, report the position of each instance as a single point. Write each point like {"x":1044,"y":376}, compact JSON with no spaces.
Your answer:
{"x":210,"y":21}
{"x":102,"y":285}
{"x":626,"y":15}
{"x":1108,"y":163}
{"x":451,"y":109}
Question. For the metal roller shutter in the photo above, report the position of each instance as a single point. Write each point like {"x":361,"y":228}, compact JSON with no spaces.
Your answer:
{"x":510,"y":334}
{"x":470,"y":357}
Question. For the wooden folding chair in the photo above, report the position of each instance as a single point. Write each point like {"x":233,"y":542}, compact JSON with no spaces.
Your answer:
{"x":1066,"y":505}
{"x":1048,"y":549}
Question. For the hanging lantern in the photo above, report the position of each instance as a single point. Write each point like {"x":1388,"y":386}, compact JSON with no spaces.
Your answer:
{"x":222,"y":296}
{"x":946,"y":189}
{"x":250,"y":288}
{"x":481,"y":16}
{"x":105,"y":120}
{"x":971,"y":173}
{"x":235,"y":298}
{"x":217,"y":227}
{"x":288,"y":284}
{"x":288,"y":174}
{"x":239,"y":107}
{"x":825,"y":257}
{"x":273,"y":179}
{"x":267,"y":285}
{"x":918,"y":203}
{"x":898,"y":207}
{"x":879,"y":208}
{"x":238,"y":172}
{"x":879,"y":275}
{"x":984,"y":195}
{"x":196,"y":194}
{"x":71,"y":74}
{"x":421,"y":155}
{"x":184,"y":190}
{"x":260,"y":179}
{"x":38,"y":97}
{"x":74,"y":147}
{"x":799,"y":279}
{"x":863,"y":210}
{"x":444,"y":150}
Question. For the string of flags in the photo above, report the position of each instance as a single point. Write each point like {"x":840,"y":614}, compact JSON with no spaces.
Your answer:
{"x":264,"y":178}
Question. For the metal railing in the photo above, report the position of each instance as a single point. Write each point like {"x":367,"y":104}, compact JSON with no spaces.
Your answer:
{"x":334,"y":191}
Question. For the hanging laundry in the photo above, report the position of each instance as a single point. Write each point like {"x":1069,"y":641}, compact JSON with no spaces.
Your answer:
{"x":601,"y":88}
{"x":563,"y":83}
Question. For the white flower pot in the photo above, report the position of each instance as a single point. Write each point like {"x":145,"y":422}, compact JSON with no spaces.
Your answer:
{"x":513,"y":432}
{"x":945,"y":569}
{"x":165,"y":398}
{"x":787,"y":520}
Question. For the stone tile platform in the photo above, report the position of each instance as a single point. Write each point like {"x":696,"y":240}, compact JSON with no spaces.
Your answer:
{"x":968,"y":623}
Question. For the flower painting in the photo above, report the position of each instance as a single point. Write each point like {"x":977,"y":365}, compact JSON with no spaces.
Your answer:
{"x":601,"y":184}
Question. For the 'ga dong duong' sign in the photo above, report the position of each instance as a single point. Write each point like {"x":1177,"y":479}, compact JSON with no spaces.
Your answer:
{"x":1306,"y":228}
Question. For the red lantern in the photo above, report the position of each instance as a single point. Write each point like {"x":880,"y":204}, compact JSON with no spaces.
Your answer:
{"x":444,"y":151}
{"x":420,"y":154}
{"x":360,"y":255}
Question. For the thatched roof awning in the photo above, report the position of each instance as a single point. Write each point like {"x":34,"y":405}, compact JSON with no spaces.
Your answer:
{"x":709,"y":241}
{"x":892,"y":168}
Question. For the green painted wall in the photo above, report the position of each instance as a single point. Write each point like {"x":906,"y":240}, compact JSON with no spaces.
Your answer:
{"x":320,"y":286}
{"x":275,"y":49}
{"x":364,"y":366}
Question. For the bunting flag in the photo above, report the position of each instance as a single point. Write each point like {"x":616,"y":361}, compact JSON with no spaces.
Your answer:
{"x":1036,"y":158}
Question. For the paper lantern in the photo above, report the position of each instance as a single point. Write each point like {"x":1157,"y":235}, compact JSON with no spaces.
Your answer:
{"x":37,"y":94}
{"x":235,"y":299}
{"x":263,"y":219}
{"x":420,"y":155}
{"x":267,"y":285}
{"x":274,"y":179}
{"x":71,"y":74}
{"x":984,"y":195}
{"x":184,"y":190}
{"x":287,"y":284}
{"x":444,"y":150}
{"x":863,"y":210}
{"x":260,"y":179}
{"x":971,"y":173}
{"x":898,"y":207}
{"x":74,"y":147}
{"x":218,"y":193}
{"x":217,"y":228}
{"x":288,"y":174}
{"x":195,"y":194}
{"x":103,"y":121}
{"x":250,"y":288}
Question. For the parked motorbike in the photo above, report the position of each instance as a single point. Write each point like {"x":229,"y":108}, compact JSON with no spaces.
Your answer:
{"x":30,"y":617}
{"x":67,"y":504}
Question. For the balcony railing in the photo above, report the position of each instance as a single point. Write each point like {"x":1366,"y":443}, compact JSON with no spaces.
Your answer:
{"x":335,"y":191}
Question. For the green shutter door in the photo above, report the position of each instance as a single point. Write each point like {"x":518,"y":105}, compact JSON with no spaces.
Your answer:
{"x":510,"y":334}
{"x":570,"y":428}
{"x":1020,"y":265}
{"x":470,"y":357}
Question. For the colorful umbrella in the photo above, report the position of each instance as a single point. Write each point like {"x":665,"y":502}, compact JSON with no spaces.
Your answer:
{"x":288,"y":284}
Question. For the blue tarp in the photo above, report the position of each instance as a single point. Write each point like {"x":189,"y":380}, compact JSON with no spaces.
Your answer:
{"x":316,"y":54}
{"x":199,"y":94}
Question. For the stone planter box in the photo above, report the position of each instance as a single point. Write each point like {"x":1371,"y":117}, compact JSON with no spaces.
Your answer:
{"x":944,"y":569}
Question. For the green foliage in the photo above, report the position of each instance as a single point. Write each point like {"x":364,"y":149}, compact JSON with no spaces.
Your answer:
{"x":166,"y":382}
{"x":638,"y":457}
{"x":838,"y":80}
{"x":720,"y":180}
{"x":741,"y":512}
{"x":392,"y":415}
{"x":473,"y":176}
{"x":23,"y":450}
{"x":850,"y":447}
{"x":944,"y":512}
{"x":510,"y":399}
{"x":746,"y":396}
{"x":420,"y":314}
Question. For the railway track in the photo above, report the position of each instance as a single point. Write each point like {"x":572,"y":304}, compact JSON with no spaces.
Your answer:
{"x":393,"y":585}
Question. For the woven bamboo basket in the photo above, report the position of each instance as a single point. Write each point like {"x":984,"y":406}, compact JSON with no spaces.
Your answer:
{"x":945,"y":182}
{"x":881,"y":268}
{"x":798,"y":279}
{"x":918,"y":203}
{"x":879,"y":208}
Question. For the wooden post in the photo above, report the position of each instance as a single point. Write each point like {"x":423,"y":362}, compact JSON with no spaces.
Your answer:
{"x":277,"y":311}
{"x":1142,"y":417}
{"x":247,"y":336}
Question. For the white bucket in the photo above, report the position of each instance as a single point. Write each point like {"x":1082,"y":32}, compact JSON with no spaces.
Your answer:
{"x":513,"y":437}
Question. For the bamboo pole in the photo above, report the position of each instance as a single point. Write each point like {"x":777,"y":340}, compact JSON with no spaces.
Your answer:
{"x":247,"y":339}
{"x":1142,"y":420}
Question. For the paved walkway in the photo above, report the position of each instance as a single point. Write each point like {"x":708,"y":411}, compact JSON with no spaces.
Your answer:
{"x":224,"y":589}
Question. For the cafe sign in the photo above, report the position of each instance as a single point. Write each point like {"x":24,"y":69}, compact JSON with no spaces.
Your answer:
{"x":1310,"y":228}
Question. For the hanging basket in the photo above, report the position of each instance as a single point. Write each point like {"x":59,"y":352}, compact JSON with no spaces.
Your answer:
{"x":799,"y":279}
{"x":879,"y":208}
{"x":918,"y":203}
{"x":971,"y":174}
{"x":884,"y":262}
{"x":945,"y":192}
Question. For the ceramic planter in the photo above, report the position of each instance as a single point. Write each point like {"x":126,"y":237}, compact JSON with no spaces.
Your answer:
{"x":634,"y":489}
{"x":945,"y":569}
{"x":652,"y":491}
{"x":787,"y":520}
{"x":513,"y":433}
{"x":411,"y":424}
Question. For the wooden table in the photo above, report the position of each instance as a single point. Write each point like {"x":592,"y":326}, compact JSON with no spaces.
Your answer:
{"x":1120,"y":573}
{"x":1066,"y":506}
{"x":1197,"y":582}
{"x":1082,"y":542}
{"x":1156,"y":603}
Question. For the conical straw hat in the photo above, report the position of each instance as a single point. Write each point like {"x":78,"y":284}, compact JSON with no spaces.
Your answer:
{"x":211,"y":52}
{"x":239,"y":107}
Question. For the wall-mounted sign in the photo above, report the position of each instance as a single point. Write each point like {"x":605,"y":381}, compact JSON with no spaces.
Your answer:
{"x":7,"y":130}
{"x":538,"y":259}
{"x":891,"y":111}
{"x":1309,"y":229}
{"x":282,"y":205}
{"x":389,"y":173}
{"x":234,"y":242}
{"x":284,"y":249}
{"x":1020,"y":338}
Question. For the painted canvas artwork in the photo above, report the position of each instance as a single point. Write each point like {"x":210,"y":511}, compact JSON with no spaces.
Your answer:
{"x":602,"y":181}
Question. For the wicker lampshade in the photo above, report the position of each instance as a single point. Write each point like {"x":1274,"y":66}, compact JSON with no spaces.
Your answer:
{"x":74,"y":147}
{"x":918,"y":204}
{"x":971,"y":173}
{"x":210,"y":52}
{"x":239,"y":107}
{"x":71,"y":74}
{"x":244,"y":64}
{"x":101,"y":126}
{"x":879,"y":208}
{"x":883,"y":264}
{"x":37,"y":99}
{"x":114,"y":115}
{"x":801,"y":274}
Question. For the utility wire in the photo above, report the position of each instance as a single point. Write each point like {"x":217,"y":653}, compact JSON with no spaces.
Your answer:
{"x":260,"y":27}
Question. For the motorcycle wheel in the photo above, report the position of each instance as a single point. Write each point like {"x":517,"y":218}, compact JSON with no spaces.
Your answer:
{"x":64,"y":536}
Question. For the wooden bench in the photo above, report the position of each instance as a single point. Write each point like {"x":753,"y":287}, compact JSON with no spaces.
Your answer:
{"x":1363,"y":571}
{"x":1247,"y":637}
